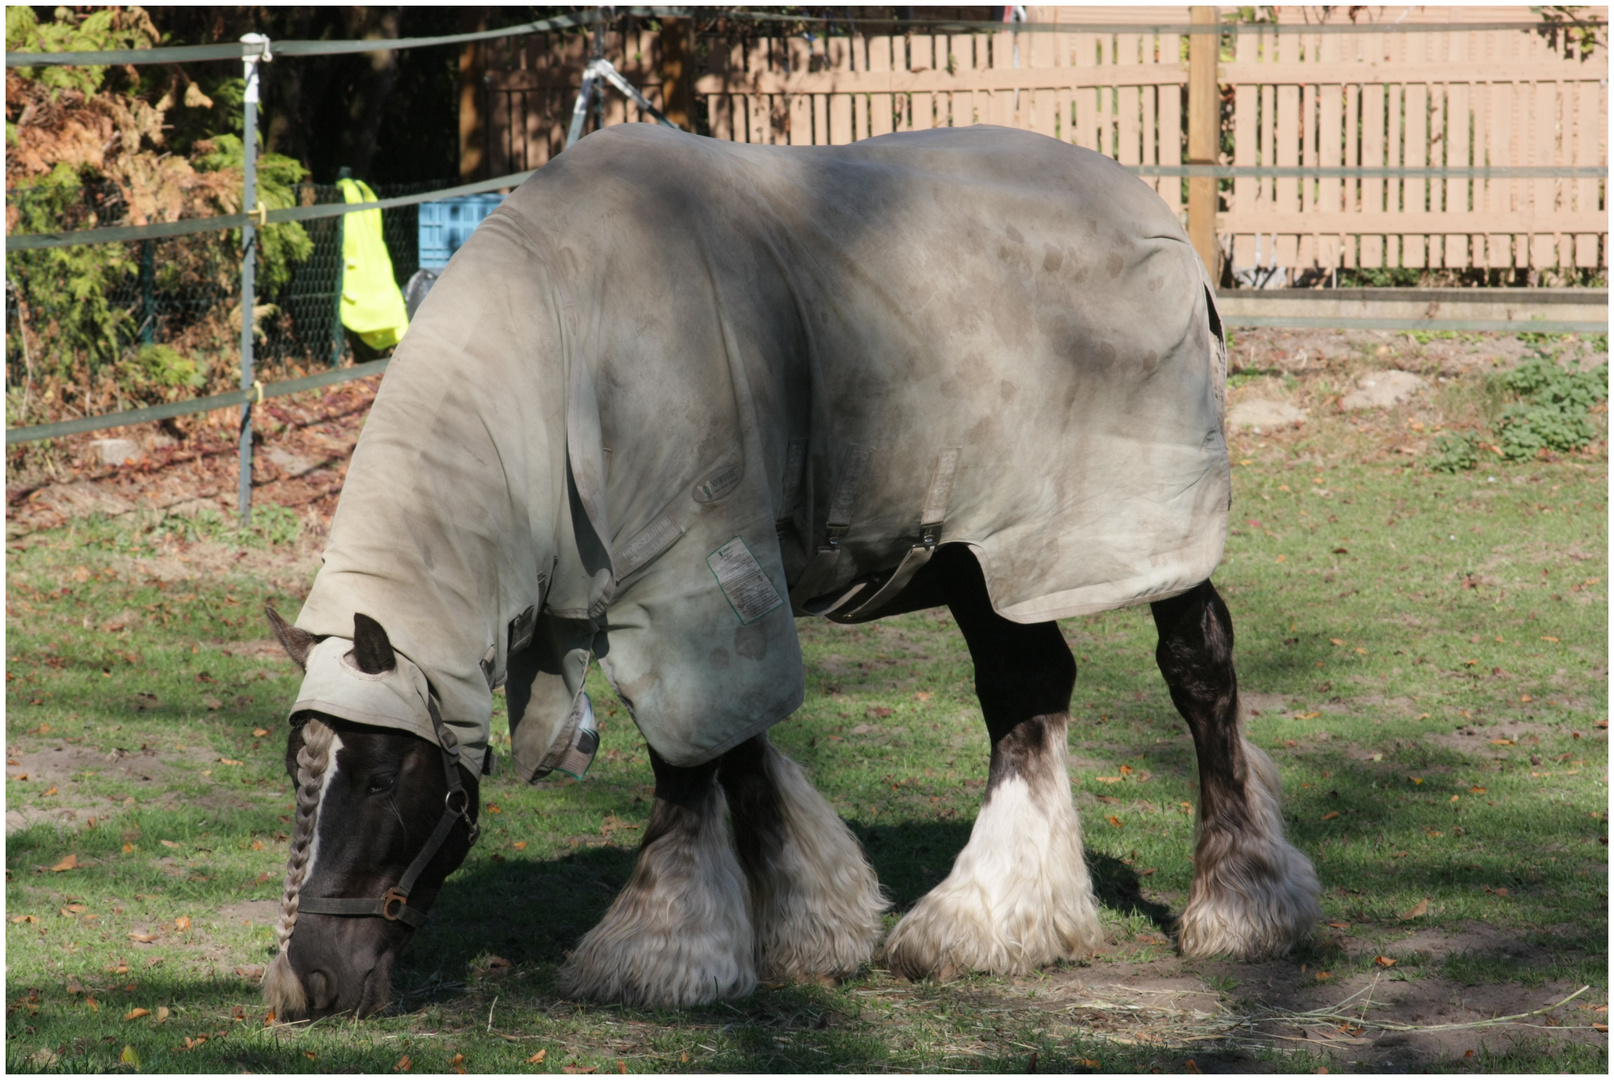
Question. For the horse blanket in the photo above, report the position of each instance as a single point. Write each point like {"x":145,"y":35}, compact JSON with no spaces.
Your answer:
{"x":675,"y":390}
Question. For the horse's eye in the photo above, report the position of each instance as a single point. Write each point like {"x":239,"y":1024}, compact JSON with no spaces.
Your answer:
{"x":378,"y":784}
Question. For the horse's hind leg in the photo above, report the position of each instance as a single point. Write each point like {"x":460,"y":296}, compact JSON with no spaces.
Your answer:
{"x":1019,"y":895}
{"x":815,"y":903}
{"x":1253,"y":893}
{"x":678,"y":933}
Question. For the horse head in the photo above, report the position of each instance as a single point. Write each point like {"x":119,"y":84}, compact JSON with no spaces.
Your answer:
{"x":383,"y":817}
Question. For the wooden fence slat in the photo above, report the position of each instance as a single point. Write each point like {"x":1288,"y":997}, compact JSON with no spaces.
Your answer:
{"x":1587,"y":128}
{"x":1330,"y":149}
{"x":880,"y":105}
{"x":1246,"y":98}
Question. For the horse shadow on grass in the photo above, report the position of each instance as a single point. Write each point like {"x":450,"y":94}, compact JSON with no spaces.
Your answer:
{"x":529,"y":913}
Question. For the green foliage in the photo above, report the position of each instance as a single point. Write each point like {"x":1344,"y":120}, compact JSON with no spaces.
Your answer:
{"x":158,"y":368}
{"x":280,"y":245}
{"x":1553,"y":414}
{"x":270,"y":525}
{"x":108,"y":28}
{"x":1454,"y":452}
{"x":67,"y":287}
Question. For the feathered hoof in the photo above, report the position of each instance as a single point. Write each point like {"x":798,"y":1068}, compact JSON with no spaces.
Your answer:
{"x":678,"y":934}
{"x":1253,"y":904}
{"x":1018,"y":897}
{"x":816,"y":904}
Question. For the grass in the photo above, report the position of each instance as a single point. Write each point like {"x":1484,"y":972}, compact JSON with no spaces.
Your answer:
{"x":1424,"y":657}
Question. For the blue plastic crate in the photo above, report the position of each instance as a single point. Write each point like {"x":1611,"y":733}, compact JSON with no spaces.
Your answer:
{"x":448,"y":223}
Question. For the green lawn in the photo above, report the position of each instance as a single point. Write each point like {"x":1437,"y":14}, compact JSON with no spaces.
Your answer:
{"x":1425,"y":657}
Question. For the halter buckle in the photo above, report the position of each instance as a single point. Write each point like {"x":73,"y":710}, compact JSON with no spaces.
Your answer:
{"x":388,"y":899}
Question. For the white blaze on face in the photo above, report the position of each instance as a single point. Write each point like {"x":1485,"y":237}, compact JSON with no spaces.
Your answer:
{"x":319,"y":813}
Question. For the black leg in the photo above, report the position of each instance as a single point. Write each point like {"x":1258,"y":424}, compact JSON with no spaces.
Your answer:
{"x":1253,"y":894}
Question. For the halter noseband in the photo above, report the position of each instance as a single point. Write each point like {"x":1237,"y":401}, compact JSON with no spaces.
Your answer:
{"x":393,"y":905}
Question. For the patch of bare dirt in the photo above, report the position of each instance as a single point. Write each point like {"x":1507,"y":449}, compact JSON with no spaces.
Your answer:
{"x":1187,"y":1007}
{"x":31,"y":801}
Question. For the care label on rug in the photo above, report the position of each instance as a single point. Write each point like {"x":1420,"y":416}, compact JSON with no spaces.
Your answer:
{"x":743,"y":581}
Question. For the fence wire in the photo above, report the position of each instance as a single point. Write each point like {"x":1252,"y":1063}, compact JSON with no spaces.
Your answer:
{"x":184,"y":292}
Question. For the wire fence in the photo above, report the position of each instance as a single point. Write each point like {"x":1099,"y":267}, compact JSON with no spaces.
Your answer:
{"x":176,"y":291}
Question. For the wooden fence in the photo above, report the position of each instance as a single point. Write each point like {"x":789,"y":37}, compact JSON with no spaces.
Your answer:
{"x":1294,"y":95}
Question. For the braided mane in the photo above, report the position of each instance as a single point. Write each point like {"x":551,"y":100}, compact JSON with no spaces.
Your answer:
{"x":281,"y":987}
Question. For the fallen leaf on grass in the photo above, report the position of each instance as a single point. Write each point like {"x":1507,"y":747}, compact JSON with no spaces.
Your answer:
{"x":24,"y":918}
{"x":1340,"y":925}
{"x":169,"y":843}
{"x":73,"y":909}
{"x":578,"y":1070}
{"x":1331,"y":815}
{"x":520,"y":845}
{"x":162,"y":1014}
{"x":1113,"y":820}
{"x":182,"y":923}
{"x":1476,"y":790}
{"x":230,"y":761}
{"x":52,"y":790}
{"x":538,"y":1058}
{"x":1420,"y":908}
{"x":877,"y":711}
{"x":94,"y":1006}
{"x":1384,"y":961}
{"x":493,"y":808}
{"x":1599,"y":1027}
{"x":923,"y":695}
{"x":259,"y":732}
{"x":1107,"y":779}
{"x":1324,"y":975}
{"x":127,"y":847}
{"x":403,"y":1064}
{"x":130,"y":1058}
{"x":144,"y":939}
{"x":1189,"y":1067}
{"x":1501,"y":742}
{"x":135,"y":1014}
{"x":69,"y":863}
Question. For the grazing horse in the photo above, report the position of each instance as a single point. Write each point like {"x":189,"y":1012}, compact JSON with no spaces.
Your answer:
{"x":677,"y":392}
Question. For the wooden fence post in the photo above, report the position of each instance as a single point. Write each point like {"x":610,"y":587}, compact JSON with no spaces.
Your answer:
{"x":1204,"y":119}
{"x":678,"y":71}
{"x":472,"y":94}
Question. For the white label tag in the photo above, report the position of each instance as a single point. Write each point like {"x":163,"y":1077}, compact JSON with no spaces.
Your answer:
{"x":743,"y":581}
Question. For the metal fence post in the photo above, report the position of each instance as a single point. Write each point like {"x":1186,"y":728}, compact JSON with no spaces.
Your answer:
{"x":1204,"y":122}
{"x":254,"y":49}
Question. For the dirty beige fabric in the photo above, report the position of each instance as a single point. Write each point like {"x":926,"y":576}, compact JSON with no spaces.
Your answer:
{"x":661,"y":345}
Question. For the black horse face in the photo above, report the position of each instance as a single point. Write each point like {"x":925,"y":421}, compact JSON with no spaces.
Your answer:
{"x":369,"y":800}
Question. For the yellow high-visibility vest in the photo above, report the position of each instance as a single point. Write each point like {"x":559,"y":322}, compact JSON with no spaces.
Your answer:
{"x":372,"y":305}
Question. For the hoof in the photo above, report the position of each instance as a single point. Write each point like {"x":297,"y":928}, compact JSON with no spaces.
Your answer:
{"x":1018,"y":897}
{"x":678,"y":934}
{"x":1254,"y":895}
{"x":816,"y":904}
{"x":1251,"y":906}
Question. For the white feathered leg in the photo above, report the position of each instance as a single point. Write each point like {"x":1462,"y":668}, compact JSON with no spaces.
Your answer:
{"x":678,"y":933}
{"x":815,"y":903}
{"x":1019,"y":895}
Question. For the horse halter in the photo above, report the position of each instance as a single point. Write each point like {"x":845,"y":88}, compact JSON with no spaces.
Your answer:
{"x":393,"y":905}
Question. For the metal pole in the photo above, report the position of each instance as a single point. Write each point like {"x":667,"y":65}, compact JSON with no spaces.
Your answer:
{"x":254,"y":49}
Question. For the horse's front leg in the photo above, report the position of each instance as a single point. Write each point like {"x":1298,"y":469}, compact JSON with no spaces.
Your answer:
{"x":678,"y":934}
{"x":1253,"y":893}
{"x":815,"y":902}
{"x":1019,"y":895}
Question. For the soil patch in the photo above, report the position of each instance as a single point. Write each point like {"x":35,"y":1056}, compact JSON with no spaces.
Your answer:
{"x":64,"y":767}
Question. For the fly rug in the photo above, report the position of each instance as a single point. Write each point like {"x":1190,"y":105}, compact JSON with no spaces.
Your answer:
{"x":675,"y":393}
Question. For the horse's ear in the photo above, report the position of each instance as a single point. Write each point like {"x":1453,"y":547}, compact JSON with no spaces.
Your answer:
{"x":297,"y":643}
{"x":371,"y":649}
